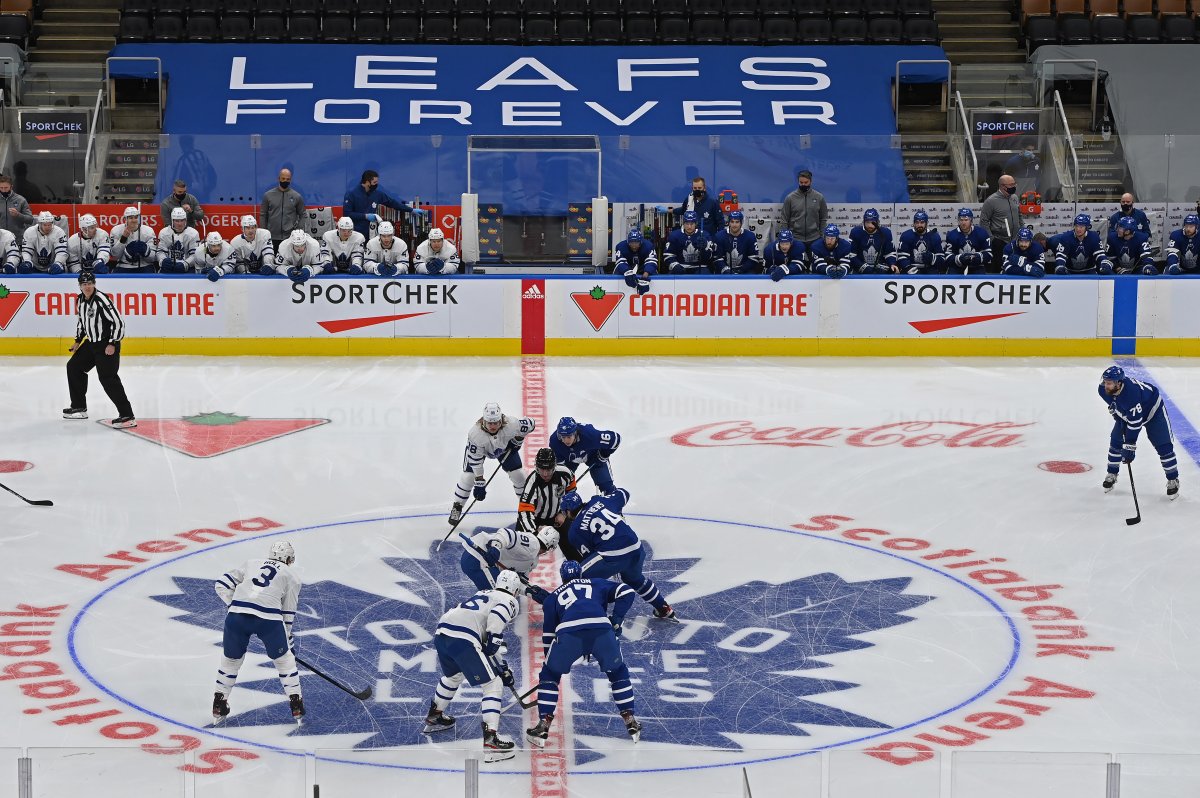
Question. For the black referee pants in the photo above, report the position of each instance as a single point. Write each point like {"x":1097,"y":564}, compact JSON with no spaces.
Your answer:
{"x":90,"y":355}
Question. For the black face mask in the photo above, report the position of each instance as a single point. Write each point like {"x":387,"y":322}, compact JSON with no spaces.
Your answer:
{"x":1126,"y":208}
{"x":804,"y":189}
{"x":283,"y":184}
{"x":699,"y":193}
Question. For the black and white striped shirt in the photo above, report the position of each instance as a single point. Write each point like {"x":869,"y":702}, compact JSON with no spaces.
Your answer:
{"x":540,"y":499}
{"x":99,"y":320}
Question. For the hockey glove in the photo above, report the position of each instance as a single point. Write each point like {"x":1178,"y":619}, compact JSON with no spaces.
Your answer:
{"x":213,"y":274}
{"x":354,"y":269}
{"x":1106,"y":268}
{"x":387,"y":270}
{"x":265,"y":269}
{"x":420,"y":213}
{"x":492,"y":554}
{"x":8,"y":269}
{"x":55,"y":269}
{"x":137,"y":249}
{"x":660,"y":208}
{"x":491,"y":646}
{"x":507,"y":678}
{"x":1060,"y":270}
{"x":480,"y":491}
{"x":778,"y":272}
{"x":1149,"y":268}
{"x":171,"y":266}
{"x":299,"y":274}
{"x":435,"y":265}
{"x":1173,"y":269}
{"x":372,"y":217}
{"x":631,"y":278}
{"x":643,"y":286}
{"x":1130,"y":450}
{"x":516,"y":442}
{"x":100,"y":267}
{"x":536,"y":593}
{"x":25,"y":267}
{"x":617,"y":628}
{"x":836,"y":271}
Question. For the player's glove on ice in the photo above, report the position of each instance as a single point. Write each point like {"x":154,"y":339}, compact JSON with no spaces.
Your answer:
{"x":480,"y":491}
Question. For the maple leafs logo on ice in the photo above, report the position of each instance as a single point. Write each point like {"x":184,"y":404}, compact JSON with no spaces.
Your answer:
{"x":744,"y":661}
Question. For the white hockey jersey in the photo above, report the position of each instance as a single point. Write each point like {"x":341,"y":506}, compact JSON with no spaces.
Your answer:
{"x":10,"y":251}
{"x":82,"y":253}
{"x":262,"y":588}
{"x":251,"y":255}
{"x":519,"y":551}
{"x":138,"y":251}
{"x":397,"y":255}
{"x":424,"y":254}
{"x":344,"y":254}
{"x":481,"y":444}
{"x":313,"y":256}
{"x":224,"y":262}
{"x":177,"y":246}
{"x":487,"y":613}
{"x":43,"y":250}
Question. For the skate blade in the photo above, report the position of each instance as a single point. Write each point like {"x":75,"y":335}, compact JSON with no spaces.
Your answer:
{"x":219,"y":720}
{"x":499,"y":756}
{"x":436,"y":729}
{"x":1173,"y":496}
{"x":635,"y":736}
{"x":123,"y":425}
{"x":534,"y":740}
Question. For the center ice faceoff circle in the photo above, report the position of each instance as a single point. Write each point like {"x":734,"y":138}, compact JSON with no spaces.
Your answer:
{"x":791,"y":642}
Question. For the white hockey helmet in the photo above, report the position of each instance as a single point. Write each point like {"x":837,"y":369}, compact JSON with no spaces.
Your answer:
{"x":178,"y":215}
{"x":213,"y":239}
{"x":131,"y":211}
{"x":436,"y":234}
{"x":249,"y":221}
{"x":86,"y":221}
{"x":345,"y":223}
{"x":298,"y":239}
{"x":509,"y":582}
{"x":492,"y":413}
{"x":282,"y":551}
{"x":548,"y":536}
{"x":386,"y":229}
{"x":45,"y":217}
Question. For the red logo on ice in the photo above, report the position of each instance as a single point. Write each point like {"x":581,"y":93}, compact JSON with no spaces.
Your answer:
{"x":937,"y":325}
{"x":212,"y":434}
{"x":10,"y":303}
{"x":909,"y":434}
{"x":598,"y":305}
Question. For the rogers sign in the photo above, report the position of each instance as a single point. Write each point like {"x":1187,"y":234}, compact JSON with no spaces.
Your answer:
{"x":910,"y":434}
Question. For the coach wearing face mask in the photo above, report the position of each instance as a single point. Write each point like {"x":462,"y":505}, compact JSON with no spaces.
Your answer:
{"x":282,"y":209}
{"x":1127,"y":209}
{"x":1001,"y":217}
{"x":805,"y":211}
{"x":711,"y":218}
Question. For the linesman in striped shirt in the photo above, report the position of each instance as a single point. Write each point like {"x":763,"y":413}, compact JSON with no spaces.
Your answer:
{"x":98,"y":334}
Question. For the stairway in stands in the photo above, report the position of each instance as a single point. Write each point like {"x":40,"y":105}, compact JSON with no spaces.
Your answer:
{"x":130,"y":169}
{"x":75,"y":31}
{"x":928,"y":168}
{"x":1103,"y":173}
{"x":980,"y":31}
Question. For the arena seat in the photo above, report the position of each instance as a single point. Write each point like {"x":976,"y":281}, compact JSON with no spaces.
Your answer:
{"x":672,"y":30}
{"x":1178,"y":30}
{"x":573,"y":30}
{"x":539,"y":30}
{"x":338,"y":30}
{"x":845,"y":8}
{"x":745,"y":30}
{"x":236,"y":28}
{"x":885,"y":30}
{"x":167,"y":28}
{"x":304,"y":30}
{"x":1109,"y":30}
{"x":472,"y":30}
{"x":403,"y":28}
{"x":1074,"y":30}
{"x":849,"y":30}
{"x":779,"y":30}
{"x":815,"y":30}
{"x":919,"y":30}
{"x":270,"y":28}
{"x":880,"y":8}
{"x":437,"y":30}
{"x":639,"y":30}
{"x":708,"y":30}
{"x":741,"y":8}
{"x":371,"y":29}
{"x":504,"y":30}
{"x":605,"y":30}
{"x":1145,"y":30}
{"x":133,"y":28}
{"x":202,"y":28}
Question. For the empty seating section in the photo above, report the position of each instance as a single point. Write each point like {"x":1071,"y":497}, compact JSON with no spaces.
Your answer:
{"x":531,"y":22}
{"x":1109,"y":22}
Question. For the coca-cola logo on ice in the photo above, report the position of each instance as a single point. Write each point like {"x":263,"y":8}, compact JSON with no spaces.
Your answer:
{"x":913,"y":434}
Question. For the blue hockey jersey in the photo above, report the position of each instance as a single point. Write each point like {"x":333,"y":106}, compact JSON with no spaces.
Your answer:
{"x":589,"y":440}
{"x":967,"y":252}
{"x":584,"y":603}
{"x":872,"y":252}
{"x":689,"y":252}
{"x":1131,"y":254}
{"x":1079,"y":256}
{"x":737,"y":254}
{"x":1182,"y":253}
{"x":644,"y":259}
{"x":1029,"y":262}
{"x":1137,"y":403}
{"x":833,"y":262}
{"x":1139,"y":216}
{"x":600,"y":529}
{"x":920,"y":253}
{"x":794,"y":257}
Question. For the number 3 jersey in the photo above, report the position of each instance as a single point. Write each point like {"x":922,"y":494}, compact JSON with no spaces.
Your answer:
{"x":263,"y":588}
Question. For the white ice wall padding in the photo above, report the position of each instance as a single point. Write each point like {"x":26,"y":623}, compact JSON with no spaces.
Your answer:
{"x":470,"y":228}
{"x":599,"y":224}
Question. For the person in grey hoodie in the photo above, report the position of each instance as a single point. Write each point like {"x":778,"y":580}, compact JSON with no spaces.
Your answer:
{"x":15,"y":215}
{"x":805,"y":211}
{"x":282,"y":209}
{"x":1001,"y":217}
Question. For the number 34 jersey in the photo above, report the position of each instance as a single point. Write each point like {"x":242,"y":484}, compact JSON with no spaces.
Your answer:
{"x":263,"y":588}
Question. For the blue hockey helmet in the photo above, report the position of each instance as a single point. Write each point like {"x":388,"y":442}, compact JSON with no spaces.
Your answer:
{"x":870,"y":215}
{"x":1127,"y":223}
{"x":831,"y":231}
{"x":966,"y":213}
{"x":566,"y":426}
{"x":635,"y":234}
{"x":737,"y":216}
{"x":785,"y":236}
{"x":691,"y":216}
{"x":1113,"y":373}
{"x":920,"y":216}
{"x":1026,"y":234}
{"x":1191,"y":218}
{"x":570,"y":502}
{"x":570,"y":570}
{"x":1085,"y":220}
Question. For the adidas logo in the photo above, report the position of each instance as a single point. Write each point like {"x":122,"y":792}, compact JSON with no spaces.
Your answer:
{"x":533,"y":292}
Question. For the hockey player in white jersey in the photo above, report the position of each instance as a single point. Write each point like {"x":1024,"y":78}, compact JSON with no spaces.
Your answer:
{"x":88,"y":249}
{"x":253,"y":250}
{"x":44,"y":248}
{"x":215,"y":259}
{"x":177,"y":243}
{"x":344,"y":246}
{"x":300,"y":257}
{"x":486,"y":554}
{"x":435,"y":255}
{"x":132,"y":245}
{"x":262,"y":597}
{"x":499,"y":437}
{"x":469,"y":640}
{"x":387,"y":254}
{"x":10,"y":252}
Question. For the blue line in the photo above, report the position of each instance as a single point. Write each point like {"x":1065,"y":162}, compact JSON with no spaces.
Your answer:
{"x":1185,"y":431}
{"x":1124,"y":326}
{"x":992,"y":685}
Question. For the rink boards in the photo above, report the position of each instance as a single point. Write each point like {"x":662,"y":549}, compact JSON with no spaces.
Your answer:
{"x":600,"y":315}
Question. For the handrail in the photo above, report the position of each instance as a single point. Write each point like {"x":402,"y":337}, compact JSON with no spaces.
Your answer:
{"x":1095,"y":80}
{"x":896,"y":85}
{"x":90,"y":151}
{"x":158,"y":61}
{"x":1062,"y":115}
{"x":966,"y":127}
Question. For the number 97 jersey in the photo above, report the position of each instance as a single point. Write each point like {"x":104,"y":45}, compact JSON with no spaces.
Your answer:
{"x":263,"y":588}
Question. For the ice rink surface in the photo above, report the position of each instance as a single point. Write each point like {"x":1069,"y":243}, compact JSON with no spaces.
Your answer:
{"x":909,"y":556}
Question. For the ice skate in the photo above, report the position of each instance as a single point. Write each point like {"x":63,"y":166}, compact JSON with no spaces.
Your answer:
{"x":436,"y":721}
{"x":1110,"y":482}
{"x":297,"y":705}
{"x":665,"y":613}
{"x":631,"y":725}
{"x":541,"y":732}
{"x":495,"y":747}
{"x":456,"y":513}
{"x":220,"y":707}
{"x":74,"y":412}
{"x":124,"y":422}
{"x":1173,"y":489}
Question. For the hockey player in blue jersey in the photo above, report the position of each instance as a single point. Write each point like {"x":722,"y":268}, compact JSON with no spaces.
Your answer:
{"x":609,"y":545}
{"x":1078,"y":250}
{"x":784,"y":256}
{"x":920,"y":250}
{"x":737,"y":248}
{"x":831,"y":253}
{"x":1184,"y":248}
{"x":968,"y":246}
{"x":872,"y":250}
{"x":576,"y":624}
{"x":1024,"y":257}
{"x":1129,"y":250}
{"x":574,"y":444}
{"x":636,"y":260}
{"x":689,"y":250}
{"x":1134,"y":404}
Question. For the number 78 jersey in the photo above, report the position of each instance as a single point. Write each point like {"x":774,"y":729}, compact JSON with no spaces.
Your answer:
{"x":263,"y":588}
{"x":601,"y":529}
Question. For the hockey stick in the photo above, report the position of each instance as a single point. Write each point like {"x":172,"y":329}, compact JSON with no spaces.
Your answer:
{"x":520,"y":700}
{"x":513,"y":687}
{"x":509,"y":450}
{"x":34,"y":502}
{"x":1137,"y":519}
{"x":361,"y":695}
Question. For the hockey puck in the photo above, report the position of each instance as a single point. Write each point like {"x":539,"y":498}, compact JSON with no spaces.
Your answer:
{"x":12,"y":466}
{"x":1064,"y":466}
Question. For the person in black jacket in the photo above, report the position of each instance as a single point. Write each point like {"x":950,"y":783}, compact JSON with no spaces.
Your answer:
{"x":98,"y":335}
{"x":712,"y":220}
